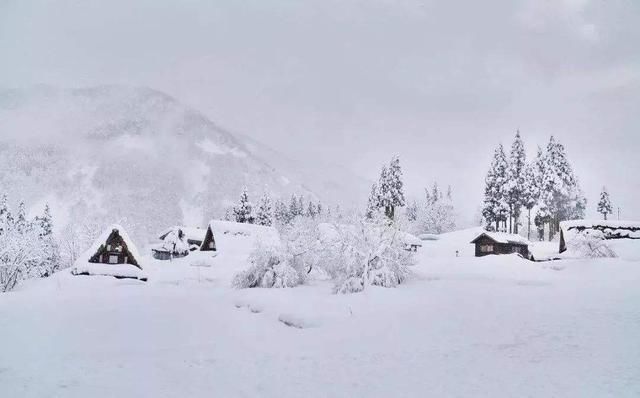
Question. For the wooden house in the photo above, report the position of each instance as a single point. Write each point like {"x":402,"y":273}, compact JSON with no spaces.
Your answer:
{"x":116,"y":249}
{"x":500,"y":243}
{"x":209,"y":241}
{"x":112,"y":254}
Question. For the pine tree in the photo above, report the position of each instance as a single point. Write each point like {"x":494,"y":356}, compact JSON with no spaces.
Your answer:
{"x":21,"y":219}
{"x":561,"y":197}
{"x":604,"y":205}
{"x":412,"y":211}
{"x":374,"y":202}
{"x":6,"y":220}
{"x":264,"y":212}
{"x":530,"y":192}
{"x":50,"y":260}
{"x":495,"y":208}
{"x":515,"y":182}
{"x":311,"y":210}
{"x":243,"y":211}
{"x":295,"y":207}
{"x":281,"y":212}
{"x":391,"y":188}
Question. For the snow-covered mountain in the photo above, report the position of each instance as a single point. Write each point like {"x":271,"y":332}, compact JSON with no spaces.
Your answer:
{"x":139,"y":157}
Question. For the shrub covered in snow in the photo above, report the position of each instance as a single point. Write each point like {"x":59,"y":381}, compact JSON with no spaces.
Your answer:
{"x":269,"y":268}
{"x":367,"y":252}
{"x":588,"y":244}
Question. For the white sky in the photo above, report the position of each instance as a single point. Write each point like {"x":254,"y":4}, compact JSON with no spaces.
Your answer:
{"x":440,"y":83}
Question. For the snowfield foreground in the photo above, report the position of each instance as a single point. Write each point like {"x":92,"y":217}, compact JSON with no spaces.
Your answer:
{"x":492,"y":326}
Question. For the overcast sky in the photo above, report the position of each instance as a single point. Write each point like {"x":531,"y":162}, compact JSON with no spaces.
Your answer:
{"x":440,"y":83}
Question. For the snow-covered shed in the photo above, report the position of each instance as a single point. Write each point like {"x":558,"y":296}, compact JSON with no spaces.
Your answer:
{"x":607,"y":229}
{"x":411,"y":242}
{"x":174,"y":244}
{"x":220,"y":232}
{"x":500,"y":243}
{"x":112,"y":254}
{"x":193,"y":235}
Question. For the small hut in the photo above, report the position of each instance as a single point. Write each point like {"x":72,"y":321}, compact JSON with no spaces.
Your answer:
{"x":112,"y":254}
{"x":411,"y":242}
{"x":500,"y":243}
{"x":174,"y":245}
{"x":193,"y":235}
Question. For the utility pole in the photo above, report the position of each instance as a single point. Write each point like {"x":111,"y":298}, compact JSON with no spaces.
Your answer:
{"x":618,"y":213}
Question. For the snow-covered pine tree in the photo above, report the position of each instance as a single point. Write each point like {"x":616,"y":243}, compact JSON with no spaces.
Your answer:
{"x":530,"y":192}
{"x":604,"y":205}
{"x":6,"y":220}
{"x":21,"y":222}
{"x":50,"y":260}
{"x":243,"y":212}
{"x":540,"y":169}
{"x":295,"y":207}
{"x":264,"y":211}
{"x":281,"y":212}
{"x":561,"y":197}
{"x":301,"y":207}
{"x":312,"y":210}
{"x":374,"y":202}
{"x":515,"y":181}
{"x":391,"y":187}
{"x":495,"y":208}
{"x":412,"y":211}
{"x":436,"y":195}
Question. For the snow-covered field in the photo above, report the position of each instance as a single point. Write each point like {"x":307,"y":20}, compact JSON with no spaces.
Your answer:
{"x":461,"y":326}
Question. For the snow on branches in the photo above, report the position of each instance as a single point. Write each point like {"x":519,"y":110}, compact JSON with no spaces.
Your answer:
{"x":27,"y":247}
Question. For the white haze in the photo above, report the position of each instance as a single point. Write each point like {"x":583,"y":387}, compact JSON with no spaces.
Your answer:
{"x":354,"y":82}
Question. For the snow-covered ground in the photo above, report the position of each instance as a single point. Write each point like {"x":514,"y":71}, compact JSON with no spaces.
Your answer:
{"x":497,"y":326}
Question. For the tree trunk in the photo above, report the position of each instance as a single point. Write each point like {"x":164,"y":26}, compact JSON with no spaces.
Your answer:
{"x":529,"y":225}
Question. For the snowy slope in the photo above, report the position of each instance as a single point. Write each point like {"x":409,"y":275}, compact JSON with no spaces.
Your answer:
{"x":134,"y":156}
{"x":497,"y":326}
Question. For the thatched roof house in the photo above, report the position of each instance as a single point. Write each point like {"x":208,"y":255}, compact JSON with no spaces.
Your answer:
{"x":221,"y":232}
{"x":112,"y":254}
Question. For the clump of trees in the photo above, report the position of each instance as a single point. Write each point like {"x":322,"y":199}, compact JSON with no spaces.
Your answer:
{"x":355,"y":251}
{"x":545,"y":186}
{"x":271,"y":212}
{"x":27,"y":247}
{"x":434,"y":214}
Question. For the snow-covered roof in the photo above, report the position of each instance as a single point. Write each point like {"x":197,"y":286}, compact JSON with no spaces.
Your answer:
{"x":503,"y":237}
{"x":83,"y":266}
{"x":600,"y":224}
{"x":409,"y":239}
{"x":191,"y":233}
{"x":100,"y":240}
{"x":264,"y":234}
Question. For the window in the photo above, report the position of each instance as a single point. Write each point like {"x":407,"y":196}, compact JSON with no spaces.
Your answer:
{"x":113,"y":259}
{"x":211,"y":245}
{"x":486,"y":248}
{"x":108,"y":247}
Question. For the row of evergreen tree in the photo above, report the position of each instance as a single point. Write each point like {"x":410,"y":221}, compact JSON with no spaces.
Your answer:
{"x":27,"y":246}
{"x":545,"y":186}
{"x":267,"y":211}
